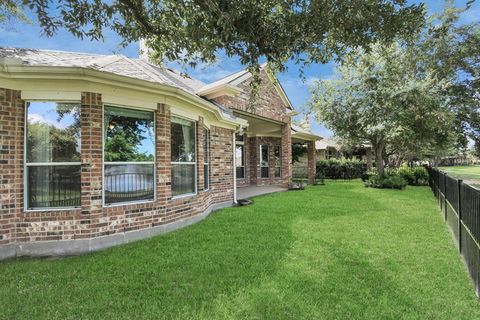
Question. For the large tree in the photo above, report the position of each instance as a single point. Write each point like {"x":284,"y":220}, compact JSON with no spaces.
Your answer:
{"x":195,"y":31}
{"x":382,"y":96}
{"x":419,"y":97}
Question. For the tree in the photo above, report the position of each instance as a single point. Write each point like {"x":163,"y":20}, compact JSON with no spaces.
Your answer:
{"x":384,"y":97}
{"x":195,"y":31}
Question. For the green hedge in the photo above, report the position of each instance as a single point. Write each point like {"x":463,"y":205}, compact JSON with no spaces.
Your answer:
{"x":340,"y":169}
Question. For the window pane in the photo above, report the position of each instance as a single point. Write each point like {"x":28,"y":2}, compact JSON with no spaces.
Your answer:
{"x":128,"y":182}
{"x":183,"y":179}
{"x":277,"y":172}
{"x":206,"y":183}
{"x":206,"y":145}
{"x":240,"y":172}
{"x":129,"y":135}
{"x":239,"y":156}
{"x":264,"y":155}
{"x":53,"y":186}
{"x":264,"y":172}
{"x":278,"y":158}
{"x":53,"y":132}
{"x":183,"y":140}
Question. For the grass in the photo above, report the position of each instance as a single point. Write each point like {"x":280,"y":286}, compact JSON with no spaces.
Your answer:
{"x":470,"y":174}
{"x":339,"y":251}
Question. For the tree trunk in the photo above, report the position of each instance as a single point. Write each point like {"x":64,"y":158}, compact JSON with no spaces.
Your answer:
{"x":369,"y":159}
{"x":379,"y":149}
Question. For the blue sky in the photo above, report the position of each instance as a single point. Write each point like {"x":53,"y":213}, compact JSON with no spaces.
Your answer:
{"x":29,"y":36}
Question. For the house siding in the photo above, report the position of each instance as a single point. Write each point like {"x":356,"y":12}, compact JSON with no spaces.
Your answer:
{"x":92,"y":219}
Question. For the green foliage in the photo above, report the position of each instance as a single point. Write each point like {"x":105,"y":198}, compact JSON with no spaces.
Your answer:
{"x":406,"y":174}
{"x":194,"y":32}
{"x":408,"y":98}
{"x":386,"y":182}
{"x":340,"y":169}
{"x":298,"y":150}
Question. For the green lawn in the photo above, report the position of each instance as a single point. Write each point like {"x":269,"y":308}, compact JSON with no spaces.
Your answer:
{"x":470,"y":174}
{"x":339,"y":251}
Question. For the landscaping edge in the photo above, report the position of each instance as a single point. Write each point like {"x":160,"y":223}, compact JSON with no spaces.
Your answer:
{"x":59,"y":248}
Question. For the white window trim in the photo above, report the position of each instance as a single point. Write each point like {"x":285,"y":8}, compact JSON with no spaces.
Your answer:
{"x":119,"y":204}
{"x":195,"y":172}
{"x":39,"y":164}
{"x":268,"y":161}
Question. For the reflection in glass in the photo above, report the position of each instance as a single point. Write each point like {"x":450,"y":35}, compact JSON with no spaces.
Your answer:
{"x":278,"y":161}
{"x":129,"y":135}
{"x":240,"y":161}
{"x":264,"y":161}
{"x":183,"y":140}
{"x":53,"y":132}
{"x":183,"y":179}
{"x":128,"y":182}
{"x":53,"y":186}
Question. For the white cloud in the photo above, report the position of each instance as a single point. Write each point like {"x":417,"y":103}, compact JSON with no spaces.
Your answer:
{"x":38,"y":118}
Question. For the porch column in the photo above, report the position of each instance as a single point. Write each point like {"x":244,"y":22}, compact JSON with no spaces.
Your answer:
{"x":312,"y":166}
{"x":286,"y":149}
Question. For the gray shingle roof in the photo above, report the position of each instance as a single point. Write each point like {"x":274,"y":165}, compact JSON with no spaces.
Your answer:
{"x":116,"y":64}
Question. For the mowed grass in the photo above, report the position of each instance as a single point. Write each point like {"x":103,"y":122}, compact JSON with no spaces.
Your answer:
{"x":470,"y":174}
{"x":339,"y":251}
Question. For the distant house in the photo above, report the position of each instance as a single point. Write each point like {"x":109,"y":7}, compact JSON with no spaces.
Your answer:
{"x":97,"y":150}
{"x":327,"y":149}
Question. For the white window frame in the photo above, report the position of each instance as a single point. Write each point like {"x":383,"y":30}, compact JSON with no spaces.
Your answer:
{"x":279,"y":163}
{"x":195,"y":172}
{"x":206,"y":158}
{"x":118,"y":204}
{"x":268,"y":161}
{"x":46,"y":164}
{"x":240,"y":143}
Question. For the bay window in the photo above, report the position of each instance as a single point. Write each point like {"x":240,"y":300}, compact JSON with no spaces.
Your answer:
{"x":183,"y":157}
{"x":129,"y":155}
{"x":52,"y":155}
{"x":240,"y":156}
{"x":263,"y":161}
{"x":278,"y":161}
{"x":206,"y":159}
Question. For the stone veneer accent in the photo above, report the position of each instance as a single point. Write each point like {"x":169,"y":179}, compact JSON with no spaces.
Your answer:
{"x":93,"y":220}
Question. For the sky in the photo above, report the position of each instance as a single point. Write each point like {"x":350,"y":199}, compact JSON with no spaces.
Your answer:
{"x":29,"y":36}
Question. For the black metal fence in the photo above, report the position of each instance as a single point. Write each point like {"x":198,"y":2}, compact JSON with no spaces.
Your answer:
{"x":460,"y":204}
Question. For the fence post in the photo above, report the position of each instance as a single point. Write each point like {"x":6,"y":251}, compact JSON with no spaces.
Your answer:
{"x":460,"y":181}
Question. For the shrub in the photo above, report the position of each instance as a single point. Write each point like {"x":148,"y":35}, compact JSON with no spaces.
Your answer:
{"x":421,"y":176}
{"x":407,"y":174}
{"x":340,"y":169}
{"x":386,"y":182}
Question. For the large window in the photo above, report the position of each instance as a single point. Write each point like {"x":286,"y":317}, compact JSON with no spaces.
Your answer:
{"x":240,"y":156}
{"x":52,"y":155}
{"x":129,"y":155}
{"x":278,"y":161}
{"x":264,"y":161}
{"x":183,"y":157}
{"x":206,"y":159}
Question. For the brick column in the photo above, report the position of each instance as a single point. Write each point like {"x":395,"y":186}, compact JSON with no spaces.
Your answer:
{"x":91,"y":129}
{"x":286,"y":149}
{"x":253,"y":160}
{"x":164,"y":157}
{"x":200,"y":154}
{"x":312,"y":162}
{"x":12,"y":115}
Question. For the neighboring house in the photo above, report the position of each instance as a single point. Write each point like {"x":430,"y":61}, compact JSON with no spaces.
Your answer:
{"x":99,"y":150}
{"x":327,"y":149}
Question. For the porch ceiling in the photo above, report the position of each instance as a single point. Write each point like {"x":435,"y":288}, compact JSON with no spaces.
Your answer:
{"x":259,"y":126}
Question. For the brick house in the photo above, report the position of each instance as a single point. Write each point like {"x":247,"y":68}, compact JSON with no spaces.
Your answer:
{"x":99,"y":150}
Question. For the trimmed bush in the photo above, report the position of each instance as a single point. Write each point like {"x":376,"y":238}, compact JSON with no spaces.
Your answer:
{"x":386,"y":182}
{"x":340,"y":169}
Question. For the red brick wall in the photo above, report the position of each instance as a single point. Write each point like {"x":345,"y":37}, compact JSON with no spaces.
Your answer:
{"x":268,"y":103}
{"x":92,"y":219}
